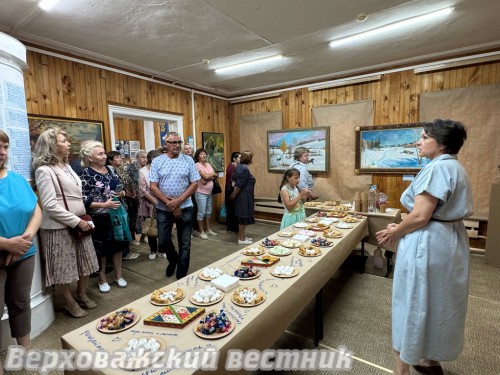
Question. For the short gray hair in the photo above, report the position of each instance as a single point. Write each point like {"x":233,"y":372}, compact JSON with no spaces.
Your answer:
{"x":86,"y":149}
{"x":169,"y":134}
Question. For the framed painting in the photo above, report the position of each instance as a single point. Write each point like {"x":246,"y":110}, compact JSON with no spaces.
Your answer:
{"x":281,"y":145}
{"x":388,"y":149}
{"x":213,"y":143}
{"x":78,"y":131}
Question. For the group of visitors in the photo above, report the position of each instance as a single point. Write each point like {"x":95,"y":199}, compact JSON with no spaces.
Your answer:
{"x":431,"y":275}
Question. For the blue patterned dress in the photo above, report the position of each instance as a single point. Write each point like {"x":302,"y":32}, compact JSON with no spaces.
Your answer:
{"x":431,"y":278}
{"x":297,"y":213}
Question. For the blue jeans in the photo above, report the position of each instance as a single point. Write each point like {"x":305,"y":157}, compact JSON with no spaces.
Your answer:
{"x":184,"y":226}
{"x":204,"y":203}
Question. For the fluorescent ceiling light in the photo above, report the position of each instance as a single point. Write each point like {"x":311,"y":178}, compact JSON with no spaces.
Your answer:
{"x":460,"y":61}
{"x":392,"y":26}
{"x":47,"y":4}
{"x":345,"y":82}
{"x":248,"y":63}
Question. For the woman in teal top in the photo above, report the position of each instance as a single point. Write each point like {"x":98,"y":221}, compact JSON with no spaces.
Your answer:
{"x":20,"y":218}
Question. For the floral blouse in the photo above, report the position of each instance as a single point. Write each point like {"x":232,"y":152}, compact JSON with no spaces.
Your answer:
{"x":97,"y":187}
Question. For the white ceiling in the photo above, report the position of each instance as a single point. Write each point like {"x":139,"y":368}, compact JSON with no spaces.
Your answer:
{"x":170,"y":39}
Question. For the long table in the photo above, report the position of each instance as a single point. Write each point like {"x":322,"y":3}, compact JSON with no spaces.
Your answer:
{"x":257,"y":327}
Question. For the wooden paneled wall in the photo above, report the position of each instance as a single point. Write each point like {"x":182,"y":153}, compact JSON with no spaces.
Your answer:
{"x":396,"y":101}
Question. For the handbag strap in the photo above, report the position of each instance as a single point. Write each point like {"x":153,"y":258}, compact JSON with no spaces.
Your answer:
{"x":60,"y":187}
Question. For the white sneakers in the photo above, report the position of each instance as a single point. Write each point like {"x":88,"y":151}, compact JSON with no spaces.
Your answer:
{"x":203,"y":236}
{"x":152,"y":256}
{"x":104,"y":288}
{"x":121,"y":282}
{"x":131,"y":256}
{"x":211,"y":232}
{"x":161,"y":255}
{"x":245,"y":242}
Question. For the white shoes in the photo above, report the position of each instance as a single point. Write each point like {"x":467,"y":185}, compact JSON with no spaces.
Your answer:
{"x":161,"y":255}
{"x":152,"y":256}
{"x":131,"y":256}
{"x":211,"y":232}
{"x":244,"y":242}
{"x":121,"y":282}
{"x":248,"y":239}
{"x":104,"y":288}
{"x":203,"y":236}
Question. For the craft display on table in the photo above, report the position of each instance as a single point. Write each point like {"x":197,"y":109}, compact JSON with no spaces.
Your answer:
{"x":284,"y":271}
{"x":286,"y":234}
{"x":141,"y":353}
{"x":350,"y":219}
{"x":247,"y":273}
{"x":208,"y":273}
{"x":306,"y":232}
{"x":118,"y":321}
{"x":343,"y":226}
{"x":300,"y":225}
{"x":214,"y":326}
{"x":174,"y":316}
{"x":309,"y":251}
{"x":247,"y":297}
{"x":321,"y":242}
{"x":332,"y":233}
{"x":267,"y":242}
{"x":207,"y":296}
{"x":253,"y":251}
{"x":163,"y":297}
{"x":262,"y":261}
{"x":291,"y":244}
{"x":279,"y":251}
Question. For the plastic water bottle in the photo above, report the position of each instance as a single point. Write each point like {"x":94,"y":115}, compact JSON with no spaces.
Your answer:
{"x":372,"y":199}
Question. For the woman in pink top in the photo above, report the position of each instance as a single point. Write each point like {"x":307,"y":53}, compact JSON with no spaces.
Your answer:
{"x":203,"y":194}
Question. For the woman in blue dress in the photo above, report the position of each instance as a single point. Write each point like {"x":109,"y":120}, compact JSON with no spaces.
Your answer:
{"x":431,"y":278}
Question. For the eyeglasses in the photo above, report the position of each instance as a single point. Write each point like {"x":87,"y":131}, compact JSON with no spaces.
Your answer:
{"x":174,"y":142}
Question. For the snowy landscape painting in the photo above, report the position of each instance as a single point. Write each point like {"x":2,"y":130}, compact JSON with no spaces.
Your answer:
{"x":388,"y":149}
{"x":281,"y":145}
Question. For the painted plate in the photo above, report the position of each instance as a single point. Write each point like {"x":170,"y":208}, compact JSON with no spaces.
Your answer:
{"x":168,"y":301}
{"x":214,"y":336}
{"x":137,"y":317}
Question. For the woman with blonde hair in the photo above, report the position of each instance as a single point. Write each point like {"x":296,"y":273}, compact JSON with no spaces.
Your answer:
{"x":20,"y":218}
{"x":99,"y":197}
{"x":67,"y":259}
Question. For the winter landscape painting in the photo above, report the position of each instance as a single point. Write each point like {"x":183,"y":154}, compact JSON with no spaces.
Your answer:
{"x":388,"y":149}
{"x":281,"y":145}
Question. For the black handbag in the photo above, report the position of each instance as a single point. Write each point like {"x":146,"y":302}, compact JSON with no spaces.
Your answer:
{"x":216,"y":189}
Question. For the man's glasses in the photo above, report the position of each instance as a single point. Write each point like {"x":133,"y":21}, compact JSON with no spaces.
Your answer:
{"x":174,"y":142}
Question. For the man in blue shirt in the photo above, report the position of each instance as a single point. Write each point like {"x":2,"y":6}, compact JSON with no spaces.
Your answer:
{"x":174,"y":179}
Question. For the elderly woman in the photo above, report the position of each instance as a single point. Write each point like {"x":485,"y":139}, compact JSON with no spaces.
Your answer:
{"x":20,"y":218}
{"x":148,"y":202}
{"x":431,"y":278}
{"x":243,"y":196}
{"x":99,"y":196}
{"x":203,"y":193}
{"x":67,"y":259}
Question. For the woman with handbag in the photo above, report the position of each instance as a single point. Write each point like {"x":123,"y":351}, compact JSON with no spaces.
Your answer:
{"x":99,"y":197}
{"x":203,"y":193}
{"x":147,"y":206}
{"x":67,"y":258}
{"x":20,"y":218}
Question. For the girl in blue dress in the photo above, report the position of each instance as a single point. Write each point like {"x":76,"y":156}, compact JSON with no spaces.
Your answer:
{"x":291,"y":198}
{"x":431,"y":278}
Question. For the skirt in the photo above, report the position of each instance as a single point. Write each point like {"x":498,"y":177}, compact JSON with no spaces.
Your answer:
{"x":66,"y":259}
{"x":292,"y":218}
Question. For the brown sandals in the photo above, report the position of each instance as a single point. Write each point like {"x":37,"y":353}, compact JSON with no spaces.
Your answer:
{"x":76,"y":311}
{"x":86,"y":302}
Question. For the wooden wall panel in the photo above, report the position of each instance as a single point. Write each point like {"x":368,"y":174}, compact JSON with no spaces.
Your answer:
{"x":396,"y":101}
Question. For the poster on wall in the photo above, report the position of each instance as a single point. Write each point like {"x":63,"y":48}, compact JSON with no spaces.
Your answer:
{"x":213,"y":143}
{"x":135,"y":146}
{"x":78,"y":131}
{"x":123,"y":147}
{"x":163,"y":132}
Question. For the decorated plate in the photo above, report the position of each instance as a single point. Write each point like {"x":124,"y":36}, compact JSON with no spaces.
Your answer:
{"x":253,"y":251}
{"x":270,"y":242}
{"x":309,"y":251}
{"x":279,"y":251}
{"x":286,"y":234}
{"x":284,"y":272}
{"x":118,"y":321}
{"x":163,"y":297}
{"x":243,"y":295}
{"x":321,"y":242}
{"x":151,"y":347}
{"x":209,"y":295}
{"x":208,"y":274}
{"x":215,"y":321}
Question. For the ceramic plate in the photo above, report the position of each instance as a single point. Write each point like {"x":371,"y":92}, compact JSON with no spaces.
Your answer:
{"x":137,"y":363}
{"x":260,"y":252}
{"x":295,"y":273}
{"x":213,"y":336}
{"x":168,"y":302}
{"x":278,"y":254}
{"x":193,"y":301}
{"x":204,"y":278}
{"x":249,"y":304}
{"x":137,"y":317}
